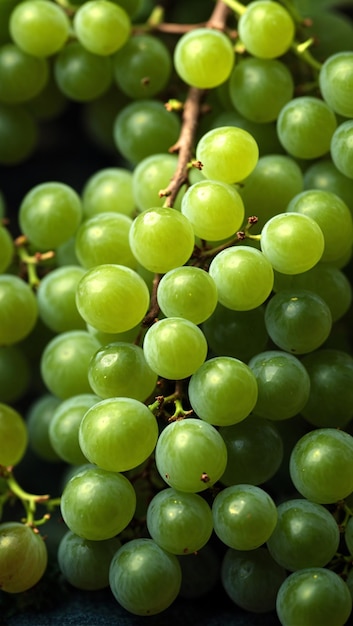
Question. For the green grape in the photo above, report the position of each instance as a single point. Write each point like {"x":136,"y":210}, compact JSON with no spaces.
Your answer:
{"x":323,"y":174}
{"x":315,"y":596}
{"x":243,"y":277}
{"x":144,"y":128}
{"x":342,"y":148}
{"x":151,"y":235}
{"x":104,"y":238}
{"x":120,"y":369}
{"x":38,"y":418}
{"x":103,"y":338}
{"x":316,"y":460}
{"x":143,"y":66}
{"x":276,"y":179}
{"x":101,"y":26}
{"x":306,"y":535}
{"x":85,"y":564}
{"x":259,"y":88}
{"x":174,"y":348}
{"x":292,"y":242}
{"x":50,"y":214}
{"x":240,"y":334}
{"x":348,"y":535}
{"x":305,"y":126}
{"x":215,"y":209}
{"x":118,"y":434}
{"x":22,"y":76}
{"x":254,"y":451}
{"x":266,"y":29}
{"x":190,"y":455}
{"x":64,"y":363}
{"x":18,"y":311}
{"x":96,"y":504}
{"x":56,"y":296}
{"x":188,"y":292}
{"x":112,"y":298}
{"x":13,"y":436}
{"x":227,"y":154}
{"x":297,"y":320}
{"x":39,"y":27}
{"x":80,"y":74}
{"x":327,"y":281}
{"x":331,"y":394}
{"x":223,"y":391}
{"x":244,"y":516}
{"x":107,"y":190}
{"x":200,"y":572}
{"x":18,"y":134}
{"x":24,"y":557}
{"x":197,"y":57}
{"x":265,"y":134}
{"x":336,"y":82}
{"x":331,"y":214}
{"x":180,"y":523}
{"x":283,"y":384}
{"x":251,"y":578}
{"x":15,"y":373}
{"x":144,"y":578}
{"x":64,"y":427}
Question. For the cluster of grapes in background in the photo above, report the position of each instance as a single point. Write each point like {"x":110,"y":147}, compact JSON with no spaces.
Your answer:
{"x":175,"y":335}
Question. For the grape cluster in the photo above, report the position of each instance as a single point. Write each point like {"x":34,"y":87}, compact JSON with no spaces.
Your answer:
{"x":175,"y":336}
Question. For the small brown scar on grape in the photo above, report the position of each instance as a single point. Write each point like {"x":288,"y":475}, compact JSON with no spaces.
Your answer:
{"x":205,"y":477}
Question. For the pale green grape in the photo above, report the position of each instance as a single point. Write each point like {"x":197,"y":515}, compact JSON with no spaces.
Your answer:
{"x":56,"y":296}
{"x":259,"y":88}
{"x":342,"y":148}
{"x":227,"y":153}
{"x":108,"y":189}
{"x":283,"y":384}
{"x":333,"y":216}
{"x":101,"y":26}
{"x":82,"y":75}
{"x":64,"y":427}
{"x":188,"y":292}
{"x":315,"y":596}
{"x":215,"y":209}
{"x":22,"y":76}
{"x":118,"y":434}
{"x":305,"y":127}
{"x":317,"y":459}
{"x":336,"y":82}
{"x":18,"y":311}
{"x":197,"y":57}
{"x":50,"y":214}
{"x":251,"y":578}
{"x":179,"y":522}
{"x":265,"y":135}
{"x":144,"y":578}
{"x":174,"y":348}
{"x":24,"y":557}
{"x":306,"y":535}
{"x":104,"y":238}
{"x":254,"y":451}
{"x":97,"y":504}
{"x":143,"y":66}
{"x":39,"y":27}
{"x":243,"y":277}
{"x":18,"y":134}
{"x":190,"y":455}
{"x":244,"y":516}
{"x":266,"y":29}
{"x":112,"y":298}
{"x":223,"y":391}
{"x":13,"y":436}
{"x":292,"y":242}
{"x":152,"y":234}
{"x":85,"y":564}
{"x":64,"y":363}
{"x":120,"y":369}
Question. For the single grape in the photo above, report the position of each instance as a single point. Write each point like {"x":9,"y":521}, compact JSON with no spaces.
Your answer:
{"x":65,"y":424}
{"x":266,"y":29}
{"x":24,"y":557}
{"x":101,"y":26}
{"x":19,"y":309}
{"x":82,"y":75}
{"x":22,"y":76}
{"x":13,"y":436}
{"x":104,"y":238}
{"x":336,"y":82}
{"x":107,"y":190}
{"x":56,"y":296}
{"x":39,"y":27}
{"x":342,"y":148}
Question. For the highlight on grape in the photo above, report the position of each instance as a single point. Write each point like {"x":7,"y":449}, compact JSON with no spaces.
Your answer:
{"x":176,"y":357}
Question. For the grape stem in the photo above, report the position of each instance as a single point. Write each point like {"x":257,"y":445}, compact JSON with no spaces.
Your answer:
{"x":236,"y":6}
{"x":31,"y":262}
